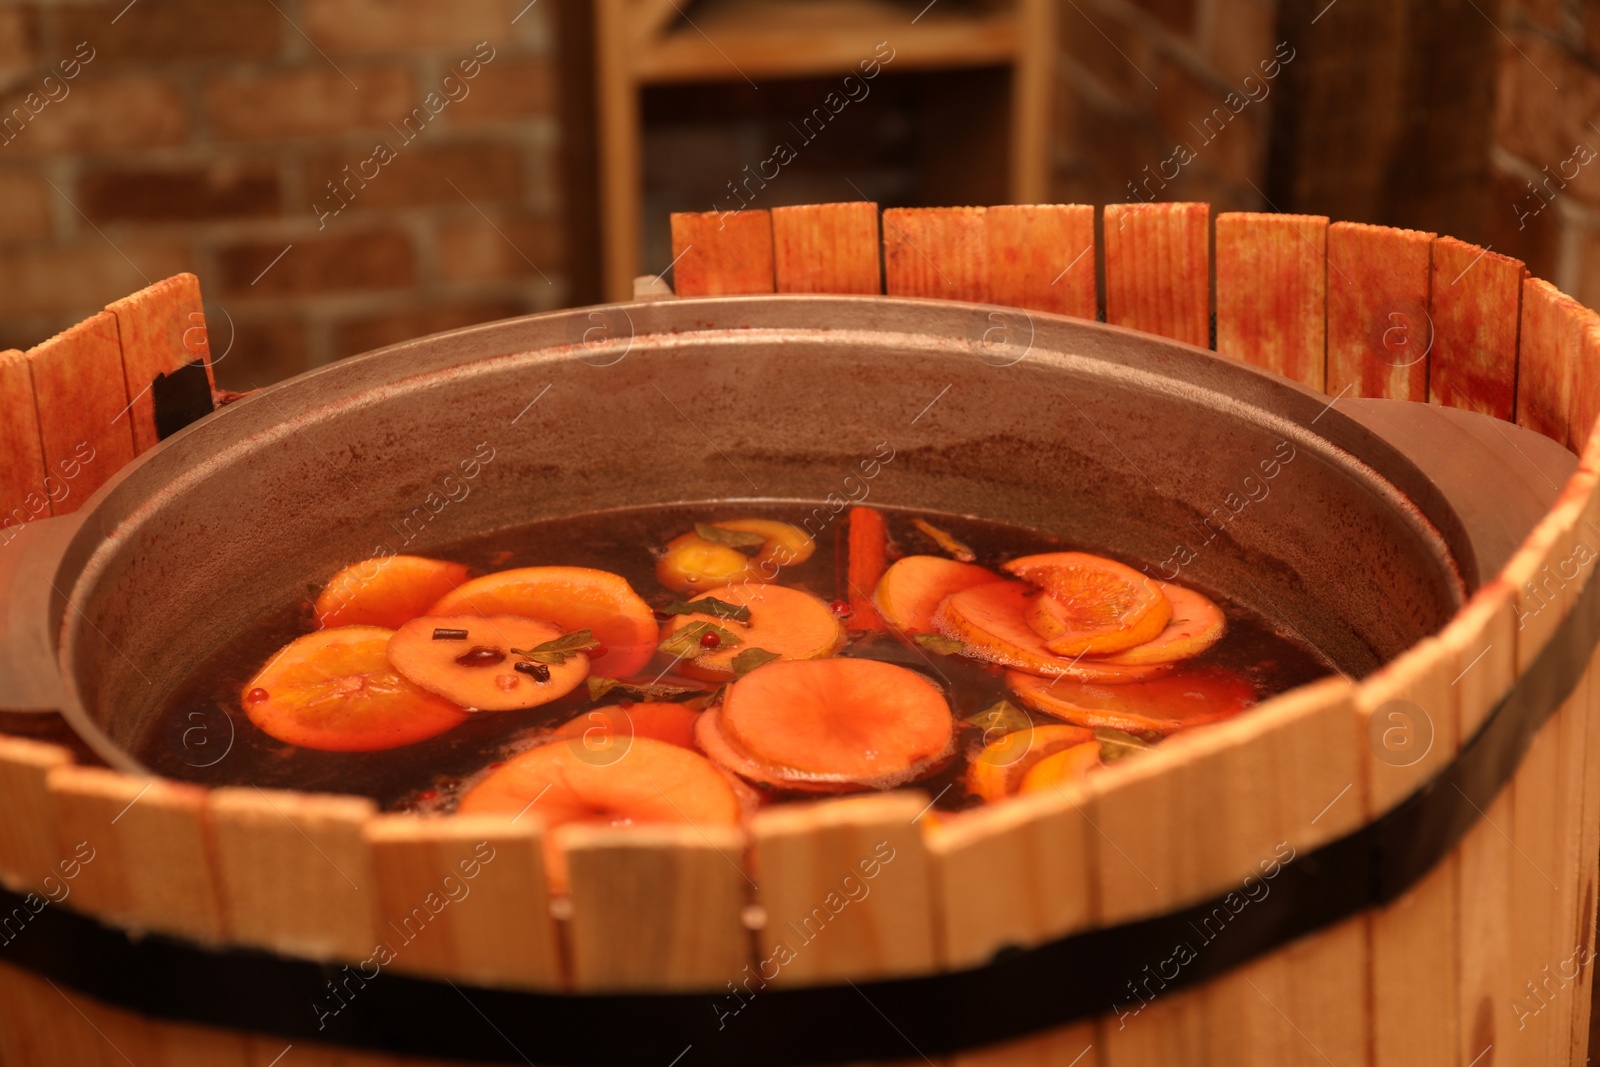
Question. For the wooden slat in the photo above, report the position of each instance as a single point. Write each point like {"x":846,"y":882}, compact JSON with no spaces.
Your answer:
{"x":846,"y":889}
{"x":83,"y":401}
{"x":1041,"y":257}
{"x":295,"y":872}
{"x":1548,"y":356}
{"x":161,"y":328}
{"x":827,"y":248}
{"x":1012,"y":874}
{"x":1379,"y":330}
{"x":1272,"y":292}
{"x":936,"y":251}
{"x":465,"y":898}
{"x":722,"y":253}
{"x":657,"y":907}
{"x":40,"y":1026}
{"x":1205,"y":809}
{"x":1585,"y":406}
{"x":24,"y":495}
{"x":1476,"y":297}
{"x":151,"y":869}
{"x":1066,"y":1046}
{"x":1408,"y":732}
{"x":28,"y":848}
{"x":1158,"y":270}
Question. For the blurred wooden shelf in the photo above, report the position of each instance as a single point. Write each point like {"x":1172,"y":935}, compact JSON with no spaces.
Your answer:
{"x":796,"y":38}
{"x":641,"y":43}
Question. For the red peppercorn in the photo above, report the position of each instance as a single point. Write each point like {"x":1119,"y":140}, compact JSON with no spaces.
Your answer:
{"x":427,"y":794}
{"x":256,"y":696}
{"x":841,"y":608}
{"x":709,"y":640}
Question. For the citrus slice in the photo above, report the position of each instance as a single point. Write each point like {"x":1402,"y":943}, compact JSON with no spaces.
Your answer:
{"x":988,"y":621}
{"x":695,"y":564}
{"x":1191,"y":696}
{"x":845,"y":720}
{"x":1195,"y":626}
{"x":467,"y":659}
{"x":610,"y":731}
{"x":335,"y":690}
{"x":1059,"y":768}
{"x":912,"y":589}
{"x":386,"y":591}
{"x":998,"y":771}
{"x":573,"y":598}
{"x":1092,"y":605}
{"x":654,"y":782}
{"x":785,"y":622}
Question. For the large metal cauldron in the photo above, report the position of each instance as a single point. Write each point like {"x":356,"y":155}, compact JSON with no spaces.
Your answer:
{"x":1350,"y":524}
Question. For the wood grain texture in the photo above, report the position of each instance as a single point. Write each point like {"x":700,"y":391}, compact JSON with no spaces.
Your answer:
{"x":1476,"y":299}
{"x":151,"y":868}
{"x":937,"y":252}
{"x":1066,"y":1046}
{"x":1549,"y":353}
{"x":1585,"y":404}
{"x":28,"y":848}
{"x":83,"y":407}
{"x":846,"y":889}
{"x":1041,"y":257}
{"x":1210,"y":808}
{"x":1016,"y":873}
{"x":161,"y":328}
{"x":827,"y":248}
{"x":722,"y":253}
{"x":1272,"y":292}
{"x":295,"y":871}
{"x":465,"y":898}
{"x":24,"y":493}
{"x":1379,"y":329}
{"x":1158,"y":272}
{"x":1407,"y":716}
{"x":658,"y":908}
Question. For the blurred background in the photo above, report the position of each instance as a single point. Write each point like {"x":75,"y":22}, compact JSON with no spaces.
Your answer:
{"x":345,"y":174}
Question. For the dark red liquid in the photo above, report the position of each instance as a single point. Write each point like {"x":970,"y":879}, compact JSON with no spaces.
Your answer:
{"x":204,"y":718}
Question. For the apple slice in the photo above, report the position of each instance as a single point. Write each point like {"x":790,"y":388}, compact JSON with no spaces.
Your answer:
{"x":1191,"y":696}
{"x":784,"y":622}
{"x":468,"y":659}
{"x":387,"y":591}
{"x":912,"y":589}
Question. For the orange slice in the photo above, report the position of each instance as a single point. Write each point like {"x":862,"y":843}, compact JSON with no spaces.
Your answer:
{"x":998,"y":771}
{"x":653,"y":783}
{"x":988,"y":620}
{"x":1059,"y":768}
{"x":839,"y":720}
{"x":694,"y":564}
{"x":1093,"y":606}
{"x":1195,"y":626}
{"x":610,"y":731}
{"x":472,"y":664}
{"x":791,"y":624}
{"x":335,"y":690}
{"x":386,"y":591}
{"x":573,"y":598}
{"x":912,"y":589}
{"x":1192,"y":696}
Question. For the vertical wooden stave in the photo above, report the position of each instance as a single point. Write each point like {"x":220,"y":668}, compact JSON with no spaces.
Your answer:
{"x":82,"y":402}
{"x":880,"y":923}
{"x":28,"y":846}
{"x":160,"y":328}
{"x":940,"y":252}
{"x":722,"y":253}
{"x":24,"y":493}
{"x":657,"y":908}
{"x":1379,"y":330}
{"x":827,"y":248}
{"x":1041,"y":257}
{"x":1475,"y":306}
{"x":1158,"y":273}
{"x":1272,"y":292}
{"x":481,"y":887}
{"x":1548,"y":356}
{"x":294,"y":871}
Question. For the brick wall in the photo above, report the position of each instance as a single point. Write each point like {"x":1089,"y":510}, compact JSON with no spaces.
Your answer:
{"x":1166,"y":100}
{"x":137,"y":140}
{"x":1545,"y":197}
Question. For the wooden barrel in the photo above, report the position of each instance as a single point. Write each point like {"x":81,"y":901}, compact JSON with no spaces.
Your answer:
{"x":1483,"y":959}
